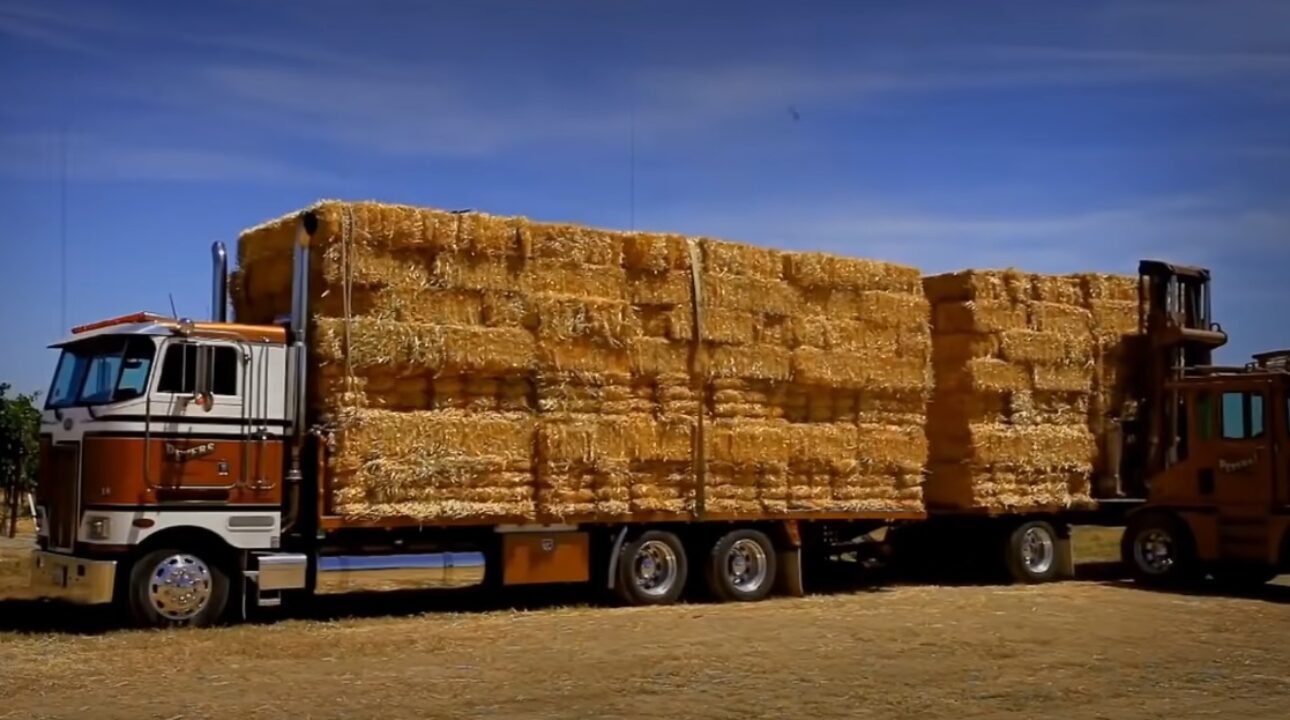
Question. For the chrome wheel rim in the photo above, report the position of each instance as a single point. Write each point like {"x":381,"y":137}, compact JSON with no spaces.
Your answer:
{"x":179,"y":587}
{"x":655,"y":568}
{"x":1037,"y":550}
{"x":746,"y":565}
{"x":1153,"y":551}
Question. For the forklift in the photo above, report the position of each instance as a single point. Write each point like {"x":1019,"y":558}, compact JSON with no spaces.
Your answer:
{"x":1207,"y":446}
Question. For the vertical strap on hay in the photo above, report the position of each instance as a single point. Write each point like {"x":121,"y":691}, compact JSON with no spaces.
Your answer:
{"x":347,"y":292}
{"x":698,"y":451}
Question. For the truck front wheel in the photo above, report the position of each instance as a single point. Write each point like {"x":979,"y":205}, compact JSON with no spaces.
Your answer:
{"x":175,"y":588}
{"x":1158,"y":549}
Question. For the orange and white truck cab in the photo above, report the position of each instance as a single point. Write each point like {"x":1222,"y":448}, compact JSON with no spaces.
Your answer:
{"x":159,"y":436}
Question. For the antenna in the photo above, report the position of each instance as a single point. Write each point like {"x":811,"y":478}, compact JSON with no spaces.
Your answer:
{"x":173,"y":312}
{"x":632,"y":166}
{"x":62,"y":225}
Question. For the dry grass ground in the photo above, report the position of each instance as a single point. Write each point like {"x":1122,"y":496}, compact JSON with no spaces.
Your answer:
{"x":1067,"y":650}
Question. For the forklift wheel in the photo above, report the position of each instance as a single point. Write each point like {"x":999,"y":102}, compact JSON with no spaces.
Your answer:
{"x":1159,"y":550}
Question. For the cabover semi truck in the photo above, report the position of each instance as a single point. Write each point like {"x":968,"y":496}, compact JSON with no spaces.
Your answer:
{"x":181,"y":482}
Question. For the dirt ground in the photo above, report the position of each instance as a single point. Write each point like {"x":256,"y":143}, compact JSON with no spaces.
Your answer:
{"x":1086,"y":649}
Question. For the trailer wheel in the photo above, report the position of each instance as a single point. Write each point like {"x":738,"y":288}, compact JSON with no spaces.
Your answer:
{"x":176,"y":588}
{"x":1032,"y":552}
{"x":652,"y":569}
{"x":741,"y":566}
{"x":1158,"y":549}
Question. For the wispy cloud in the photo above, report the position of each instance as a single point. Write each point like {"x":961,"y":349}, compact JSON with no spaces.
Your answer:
{"x":39,"y":155}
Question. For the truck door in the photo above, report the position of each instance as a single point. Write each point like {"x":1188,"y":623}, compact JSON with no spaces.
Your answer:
{"x":203,"y":391}
{"x":1242,"y":461}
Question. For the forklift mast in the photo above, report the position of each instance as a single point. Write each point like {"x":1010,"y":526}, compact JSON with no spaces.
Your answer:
{"x":1174,"y":308}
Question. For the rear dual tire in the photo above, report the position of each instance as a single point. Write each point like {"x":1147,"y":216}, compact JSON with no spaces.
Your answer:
{"x":653,"y":568}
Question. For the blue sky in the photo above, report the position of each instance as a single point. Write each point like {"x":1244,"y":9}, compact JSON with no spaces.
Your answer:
{"x":1048,"y":136}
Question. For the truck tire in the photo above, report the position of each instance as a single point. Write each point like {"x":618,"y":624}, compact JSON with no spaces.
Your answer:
{"x":652,"y":569}
{"x":176,"y":588}
{"x":1158,"y":549}
{"x":1032,"y":552}
{"x":741,"y":566}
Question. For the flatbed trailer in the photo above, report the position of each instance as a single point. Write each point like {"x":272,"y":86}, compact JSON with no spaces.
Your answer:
{"x":197,"y":491}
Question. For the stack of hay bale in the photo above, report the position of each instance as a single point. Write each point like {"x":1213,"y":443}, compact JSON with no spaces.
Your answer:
{"x":492,"y":368}
{"x":1029,"y":372}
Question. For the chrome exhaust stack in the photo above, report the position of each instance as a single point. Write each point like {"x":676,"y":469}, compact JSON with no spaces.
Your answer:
{"x":297,"y":357}
{"x":219,"y":282}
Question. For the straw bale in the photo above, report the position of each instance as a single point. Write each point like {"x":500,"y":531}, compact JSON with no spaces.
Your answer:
{"x":655,"y":252}
{"x":651,"y":356}
{"x":576,"y":244}
{"x":442,"y":307}
{"x":751,"y":293}
{"x":1062,"y":378}
{"x":585,"y":441}
{"x":561,"y":277}
{"x":729,"y":258}
{"x":894,"y":309}
{"x":978,"y":317}
{"x":842,"y":334}
{"x":726,"y":326}
{"x":583,"y":356}
{"x":1007,"y":287}
{"x":858,"y":370}
{"x":1114,"y":316}
{"x":758,"y":362}
{"x":1058,"y":318}
{"x":424,"y":347}
{"x":833,"y":446}
{"x":982,"y":375}
{"x":563,"y":319}
{"x":1044,"y":348}
{"x":465,"y":272}
{"x":484,"y":235}
{"x":896,"y":449}
{"x":964,"y":486}
{"x":1039,"y":446}
{"x":748,"y":441}
{"x":1061,"y":289}
{"x":819,"y":270}
{"x":670,"y":290}
{"x":1098,"y":287}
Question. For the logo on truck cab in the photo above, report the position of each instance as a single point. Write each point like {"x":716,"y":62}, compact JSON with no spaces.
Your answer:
{"x":181,"y":454}
{"x":1233,"y":466}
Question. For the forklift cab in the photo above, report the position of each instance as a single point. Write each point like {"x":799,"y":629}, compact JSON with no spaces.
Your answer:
{"x":1228,"y":471}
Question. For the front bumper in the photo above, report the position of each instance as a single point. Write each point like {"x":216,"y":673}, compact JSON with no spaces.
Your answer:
{"x":76,"y":580}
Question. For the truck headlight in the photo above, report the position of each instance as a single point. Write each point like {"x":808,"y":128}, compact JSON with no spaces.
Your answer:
{"x":100,"y":528}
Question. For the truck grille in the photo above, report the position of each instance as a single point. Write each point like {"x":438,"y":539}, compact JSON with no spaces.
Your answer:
{"x":60,"y":478}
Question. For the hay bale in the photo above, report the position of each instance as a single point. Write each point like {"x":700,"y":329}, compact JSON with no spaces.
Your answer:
{"x":971,"y":317}
{"x":656,"y":253}
{"x":727,"y":258}
{"x":818,"y":270}
{"x":1007,"y":287}
{"x":423,"y":347}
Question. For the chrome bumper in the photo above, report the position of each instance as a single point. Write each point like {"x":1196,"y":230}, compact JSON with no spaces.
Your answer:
{"x":77,"y":580}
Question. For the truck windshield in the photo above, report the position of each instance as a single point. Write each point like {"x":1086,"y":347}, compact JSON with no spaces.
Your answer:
{"x":102,"y":370}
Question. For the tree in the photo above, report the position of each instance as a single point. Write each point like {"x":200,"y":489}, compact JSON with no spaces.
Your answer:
{"x":19,"y":449}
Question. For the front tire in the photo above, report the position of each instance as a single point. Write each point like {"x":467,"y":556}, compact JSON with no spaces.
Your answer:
{"x":1159,"y":550}
{"x":176,"y":588}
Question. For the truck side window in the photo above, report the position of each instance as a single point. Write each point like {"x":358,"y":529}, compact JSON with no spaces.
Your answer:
{"x":1234,"y":416}
{"x":1204,"y":416}
{"x":179,"y":371}
{"x":1256,"y":414}
{"x":1243,"y":415}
